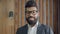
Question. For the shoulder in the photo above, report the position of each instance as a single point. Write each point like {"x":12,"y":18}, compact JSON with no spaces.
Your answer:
{"x":44,"y":26}
{"x":48,"y":29}
{"x":23,"y":27}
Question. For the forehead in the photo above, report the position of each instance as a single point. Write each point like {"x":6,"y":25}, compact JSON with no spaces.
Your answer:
{"x":31,"y":8}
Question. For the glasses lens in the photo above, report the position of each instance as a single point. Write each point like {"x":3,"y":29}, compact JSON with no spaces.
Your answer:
{"x":28,"y":12}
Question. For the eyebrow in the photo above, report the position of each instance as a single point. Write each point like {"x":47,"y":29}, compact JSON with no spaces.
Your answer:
{"x":32,"y":10}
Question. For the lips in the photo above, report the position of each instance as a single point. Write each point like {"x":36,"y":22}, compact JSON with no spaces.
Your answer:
{"x":31,"y":18}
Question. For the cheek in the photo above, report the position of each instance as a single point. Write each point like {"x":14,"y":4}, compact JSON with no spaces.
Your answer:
{"x":36,"y":16}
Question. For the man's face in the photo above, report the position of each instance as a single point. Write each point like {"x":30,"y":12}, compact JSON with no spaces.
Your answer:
{"x":31,"y":14}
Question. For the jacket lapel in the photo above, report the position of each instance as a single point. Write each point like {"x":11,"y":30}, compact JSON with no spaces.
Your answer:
{"x":25,"y":29}
{"x":38,"y":29}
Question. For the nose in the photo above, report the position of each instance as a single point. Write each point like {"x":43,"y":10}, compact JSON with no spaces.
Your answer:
{"x":30,"y":14}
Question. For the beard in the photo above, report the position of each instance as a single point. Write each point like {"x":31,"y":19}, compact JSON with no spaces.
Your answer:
{"x":31,"y":22}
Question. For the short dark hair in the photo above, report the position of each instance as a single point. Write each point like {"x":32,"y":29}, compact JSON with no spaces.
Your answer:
{"x":30,"y":3}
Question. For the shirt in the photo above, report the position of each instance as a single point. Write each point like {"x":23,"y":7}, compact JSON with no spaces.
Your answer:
{"x":32,"y":30}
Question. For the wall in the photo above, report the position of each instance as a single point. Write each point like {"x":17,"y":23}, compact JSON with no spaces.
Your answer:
{"x":8,"y":25}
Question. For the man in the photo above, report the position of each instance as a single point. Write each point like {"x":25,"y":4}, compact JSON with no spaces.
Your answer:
{"x":33,"y":26}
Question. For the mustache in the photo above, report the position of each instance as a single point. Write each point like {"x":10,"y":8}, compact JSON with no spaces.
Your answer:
{"x":30,"y":17}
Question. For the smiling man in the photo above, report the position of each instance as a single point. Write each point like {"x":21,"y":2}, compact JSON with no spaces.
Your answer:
{"x":33,"y":26}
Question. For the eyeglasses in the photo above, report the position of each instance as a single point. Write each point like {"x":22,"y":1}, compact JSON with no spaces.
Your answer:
{"x":33,"y":12}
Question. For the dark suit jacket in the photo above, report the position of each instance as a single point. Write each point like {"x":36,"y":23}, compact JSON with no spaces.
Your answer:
{"x":41,"y":29}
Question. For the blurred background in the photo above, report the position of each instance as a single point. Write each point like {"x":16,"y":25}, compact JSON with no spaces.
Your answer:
{"x":12,"y":15}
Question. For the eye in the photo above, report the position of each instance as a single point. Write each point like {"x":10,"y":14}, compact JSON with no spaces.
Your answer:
{"x":36,"y":11}
{"x":33,"y":11}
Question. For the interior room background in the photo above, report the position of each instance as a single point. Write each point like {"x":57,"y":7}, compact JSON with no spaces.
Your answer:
{"x":12,"y":15}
